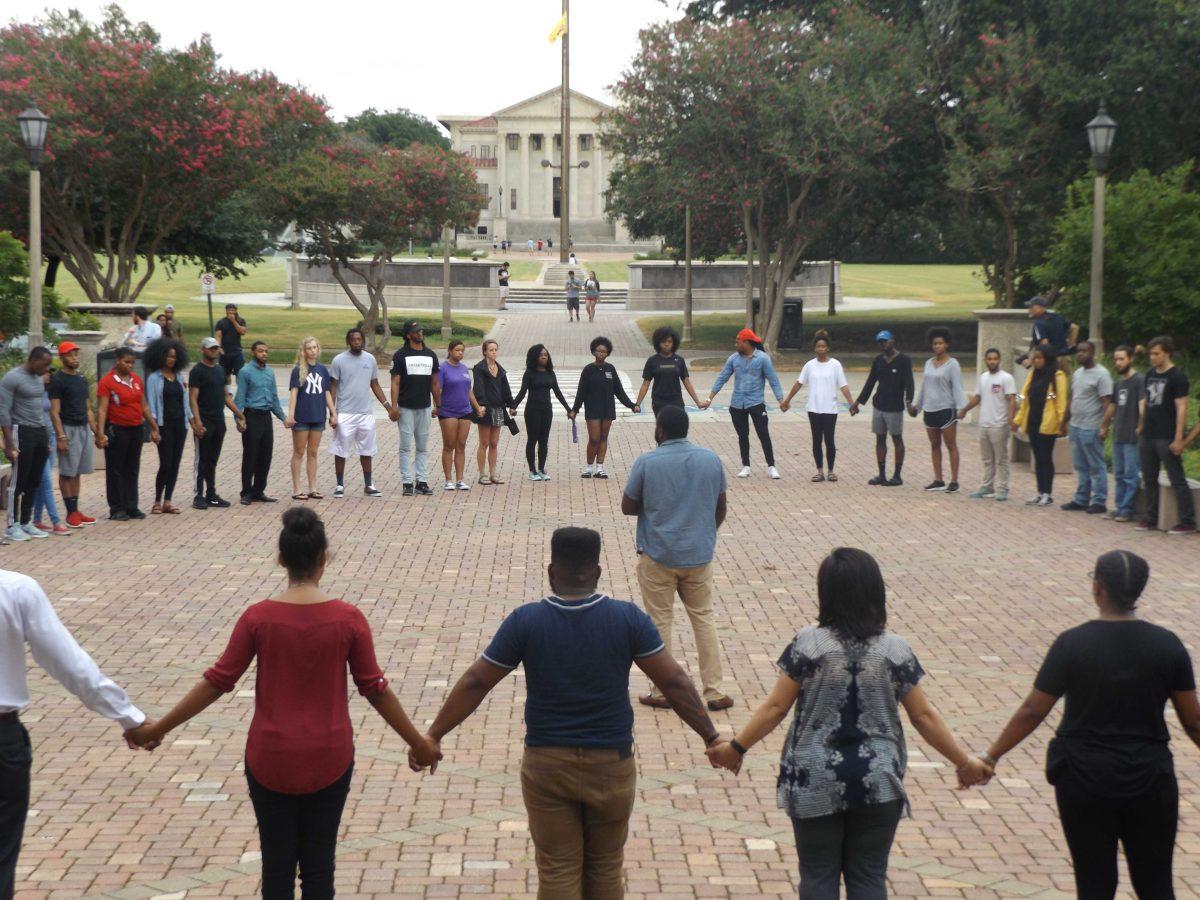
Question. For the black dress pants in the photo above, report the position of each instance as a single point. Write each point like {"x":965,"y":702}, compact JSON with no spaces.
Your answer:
{"x":537,"y":436}
{"x":258,"y":441}
{"x":16,"y":759}
{"x":34,"y":449}
{"x":170,"y":453}
{"x":208,"y":453}
{"x":298,"y":830}
{"x":1153,"y":455}
{"x":122,"y":462}
{"x":1144,"y":825}
{"x":741,"y":424}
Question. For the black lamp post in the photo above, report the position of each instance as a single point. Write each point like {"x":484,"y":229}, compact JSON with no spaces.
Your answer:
{"x":34,"y":123}
{"x":1100,"y":131}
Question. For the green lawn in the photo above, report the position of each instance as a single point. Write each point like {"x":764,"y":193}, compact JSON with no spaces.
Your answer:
{"x":955,"y":289}
{"x":165,"y":288}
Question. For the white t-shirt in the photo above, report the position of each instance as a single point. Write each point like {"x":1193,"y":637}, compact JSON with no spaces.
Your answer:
{"x":824,"y":380}
{"x":994,"y":391}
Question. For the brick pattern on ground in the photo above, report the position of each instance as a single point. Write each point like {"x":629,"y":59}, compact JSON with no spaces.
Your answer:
{"x":979,"y":588}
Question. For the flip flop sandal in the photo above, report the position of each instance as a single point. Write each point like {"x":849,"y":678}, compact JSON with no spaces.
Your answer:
{"x":496,"y":480}
{"x":299,"y":496}
{"x":171,"y":510}
{"x":831,"y":477}
{"x":156,"y":509}
{"x":818,"y":477}
{"x":315,"y":495}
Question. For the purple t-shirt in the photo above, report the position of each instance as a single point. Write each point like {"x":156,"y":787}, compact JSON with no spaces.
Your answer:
{"x":455,"y":381}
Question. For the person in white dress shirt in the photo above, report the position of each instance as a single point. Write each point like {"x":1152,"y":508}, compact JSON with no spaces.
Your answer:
{"x":142,"y":332}
{"x":26,"y":617}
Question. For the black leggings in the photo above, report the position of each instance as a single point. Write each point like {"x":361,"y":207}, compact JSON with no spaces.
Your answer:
{"x":1043,"y":460}
{"x":33,"y":443}
{"x":1144,"y":825}
{"x":170,"y":451}
{"x":537,"y":434}
{"x":298,"y":829}
{"x":823,"y":426}
{"x":741,"y":424}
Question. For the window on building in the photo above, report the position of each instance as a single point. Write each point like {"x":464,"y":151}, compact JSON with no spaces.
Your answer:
{"x":512,"y":199}
{"x":486,"y":190}
{"x":535,"y":142}
{"x":585,"y":142}
{"x":558,"y":142}
{"x":514,"y":142}
{"x":472,"y":150}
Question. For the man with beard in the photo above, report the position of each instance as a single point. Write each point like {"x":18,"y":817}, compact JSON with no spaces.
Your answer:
{"x":209,"y":400}
{"x":1124,"y":413}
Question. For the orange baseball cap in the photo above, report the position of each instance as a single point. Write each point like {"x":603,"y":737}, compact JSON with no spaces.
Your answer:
{"x":66,"y":347}
{"x":747,"y":334}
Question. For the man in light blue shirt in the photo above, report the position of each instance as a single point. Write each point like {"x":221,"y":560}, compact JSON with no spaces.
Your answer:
{"x":751,"y":369}
{"x":677,"y":493}
{"x":258,"y":399}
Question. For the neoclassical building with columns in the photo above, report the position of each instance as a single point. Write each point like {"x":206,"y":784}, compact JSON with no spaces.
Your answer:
{"x":508,"y":148}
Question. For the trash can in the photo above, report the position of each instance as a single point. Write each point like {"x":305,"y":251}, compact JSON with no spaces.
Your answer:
{"x":106,"y":361}
{"x":791,"y":331}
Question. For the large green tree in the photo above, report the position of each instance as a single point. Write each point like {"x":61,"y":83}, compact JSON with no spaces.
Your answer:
{"x":150,"y":149}
{"x":397,"y":128}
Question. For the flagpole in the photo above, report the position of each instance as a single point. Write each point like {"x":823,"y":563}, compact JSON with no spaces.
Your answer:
{"x":564,"y":220}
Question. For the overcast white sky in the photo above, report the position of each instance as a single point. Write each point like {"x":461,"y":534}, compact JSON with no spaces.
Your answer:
{"x":441,"y":57}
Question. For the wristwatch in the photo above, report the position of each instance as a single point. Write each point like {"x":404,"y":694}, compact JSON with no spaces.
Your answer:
{"x":989,"y":759}
{"x":736,"y":745}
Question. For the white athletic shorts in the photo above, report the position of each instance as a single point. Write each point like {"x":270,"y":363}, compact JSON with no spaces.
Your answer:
{"x":354,"y":436}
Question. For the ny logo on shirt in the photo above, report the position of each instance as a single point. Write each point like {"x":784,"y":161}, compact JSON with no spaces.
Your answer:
{"x":314,"y":383}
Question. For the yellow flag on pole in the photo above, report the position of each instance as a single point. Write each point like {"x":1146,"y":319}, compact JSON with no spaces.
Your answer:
{"x":559,"y":29}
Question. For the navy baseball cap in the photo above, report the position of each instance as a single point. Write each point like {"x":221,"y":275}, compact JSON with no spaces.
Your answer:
{"x":1036,"y":300}
{"x":884,"y":336}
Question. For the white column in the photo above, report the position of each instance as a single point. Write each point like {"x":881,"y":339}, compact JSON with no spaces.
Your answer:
{"x":574,"y":198}
{"x":523,"y":200}
{"x":501,"y":172}
{"x":548,"y":196}
{"x":598,"y":180}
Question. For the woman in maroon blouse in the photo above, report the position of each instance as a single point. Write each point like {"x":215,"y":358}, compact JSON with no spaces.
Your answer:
{"x":300,"y":750}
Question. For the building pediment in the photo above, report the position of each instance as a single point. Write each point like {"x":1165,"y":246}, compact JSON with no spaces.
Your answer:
{"x":540,"y":106}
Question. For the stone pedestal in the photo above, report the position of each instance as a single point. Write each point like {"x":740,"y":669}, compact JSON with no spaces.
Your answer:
{"x":115,"y":318}
{"x":1006,"y":330}
{"x":89,"y":345}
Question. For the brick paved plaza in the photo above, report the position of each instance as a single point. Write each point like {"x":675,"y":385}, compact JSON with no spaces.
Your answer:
{"x":978,"y":588}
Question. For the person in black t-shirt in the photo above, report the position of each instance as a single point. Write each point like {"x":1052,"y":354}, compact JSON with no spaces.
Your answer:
{"x":209,"y":400}
{"x":229,"y":331}
{"x":414,"y":382}
{"x":599,"y":387}
{"x":1164,"y":414}
{"x":667,"y":372}
{"x":1109,"y":762}
{"x":892,"y":371}
{"x":74,"y":430}
{"x":502,"y":278}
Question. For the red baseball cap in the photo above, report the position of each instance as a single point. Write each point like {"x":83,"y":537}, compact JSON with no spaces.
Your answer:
{"x":66,"y":347}
{"x":747,"y":334}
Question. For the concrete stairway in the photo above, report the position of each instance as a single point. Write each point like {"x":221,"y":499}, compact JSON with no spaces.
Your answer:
{"x":552,"y":294}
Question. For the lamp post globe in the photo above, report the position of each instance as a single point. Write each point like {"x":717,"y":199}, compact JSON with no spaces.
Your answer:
{"x":34,"y":124}
{"x":1101,"y":131}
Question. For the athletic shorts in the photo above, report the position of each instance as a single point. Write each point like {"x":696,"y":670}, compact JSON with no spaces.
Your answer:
{"x":465,"y":417}
{"x":354,"y":436}
{"x":232,"y":363}
{"x":504,"y":292}
{"x":941,"y":419}
{"x":309,"y":426}
{"x":78,"y":458}
{"x":885,"y":422}
{"x":573,"y":303}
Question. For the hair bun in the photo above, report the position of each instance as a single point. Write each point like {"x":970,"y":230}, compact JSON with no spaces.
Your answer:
{"x":300,"y":520}
{"x":1139,"y":350}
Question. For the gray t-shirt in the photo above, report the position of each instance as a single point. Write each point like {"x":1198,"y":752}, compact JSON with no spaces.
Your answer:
{"x":1088,"y":386}
{"x":354,"y":374}
{"x":1127,"y":394}
{"x":573,"y":285}
{"x":21,"y":395}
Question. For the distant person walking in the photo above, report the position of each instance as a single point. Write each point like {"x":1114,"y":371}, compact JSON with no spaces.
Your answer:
{"x":167,"y":396}
{"x":416,"y":395}
{"x":578,"y":772}
{"x":572,"y":286}
{"x":75,"y":431}
{"x":677,"y":492}
{"x":751,"y":369}
{"x":229,"y":331}
{"x":123,"y":409}
{"x":502,"y":278}
{"x":258,"y":399}
{"x":209,"y":400}
{"x":591,"y":294}
{"x":891,"y":378}
{"x":665,"y":374}
{"x":354,"y":379}
{"x":841,"y":776}
{"x":1042,"y":416}
{"x":493,"y":395}
{"x":1164,"y":414}
{"x":1128,"y":392}
{"x":538,"y":382}
{"x":939,"y":399}
{"x":824,"y":377}
{"x":1088,"y":415}
{"x":26,"y":439}
{"x":995,"y":395}
{"x":310,"y":405}
{"x":300,"y":748}
{"x":1109,"y":762}
{"x":457,"y":411}
{"x":599,"y":389}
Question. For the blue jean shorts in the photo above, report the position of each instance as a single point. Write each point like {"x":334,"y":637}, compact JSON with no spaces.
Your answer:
{"x":309,"y":426}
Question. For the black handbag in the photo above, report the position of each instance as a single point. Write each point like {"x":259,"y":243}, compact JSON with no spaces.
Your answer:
{"x":513,"y":427}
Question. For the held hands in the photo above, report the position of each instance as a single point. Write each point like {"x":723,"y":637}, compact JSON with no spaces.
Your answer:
{"x":425,"y":755}
{"x":155,"y":436}
{"x":637,"y":407}
{"x":146,"y":736}
{"x":394,"y":413}
{"x":571,"y":414}
{"x":333,"y":420}
{"x":241,"y":423}
{"x":785,"y":405}
{"x":976,"y":771}
{"x":198,"y":427}
{"x":1177,"y":447}
{"x":62,"y":445}
{"x":289,"y":422}
{"x":721,"y":755}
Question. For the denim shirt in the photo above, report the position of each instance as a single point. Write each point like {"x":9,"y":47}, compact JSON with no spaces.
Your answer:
{"x":154,"y":395}
{"x":750,"y":374}
{"x":256,"y":389}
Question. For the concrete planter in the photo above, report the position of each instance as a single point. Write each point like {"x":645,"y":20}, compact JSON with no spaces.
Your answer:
{"x":115,"y":319}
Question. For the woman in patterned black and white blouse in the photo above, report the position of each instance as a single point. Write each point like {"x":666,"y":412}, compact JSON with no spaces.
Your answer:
{"x":841,"y":774}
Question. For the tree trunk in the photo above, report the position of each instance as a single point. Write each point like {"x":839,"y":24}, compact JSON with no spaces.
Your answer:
{"x":748,"y":228}
{"x":1010,"y":259}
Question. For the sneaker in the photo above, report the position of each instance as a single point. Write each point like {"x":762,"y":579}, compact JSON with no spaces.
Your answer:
{"x":535,"y":476}
{"x":1122,"y":517}
{"x":878,"y":479}
{"x":894,"y":481}
{"x":772,"y":472}
{"x":1143,"y":525}
{"x":600,"y":473}
{"x":408,"y":490}
{"x":85,"y":519}
{"x":462,"y":486}
{"x":42,"y":526}
{"x":1045,"y":500}
{"x":136,"y":514}
{"x":197,"y":503}
{"x":371,"y":491}
{"x":218,"y":502}
{"x":119,"y":516}
{"x":1034,"y":500}
{"x":1001,"y":496}
{"x":263,"y":498}
{"x":1097,"y":509}
{"x":545,"y":477}
{"x":936,"y":486}
{"x":75,"y":519}
{"x":339,"y":491}
{"x":952,"y":487}
{"x":33,"y":531}
{"x":982,"y":494}
{"x":449,"y":485}
{"x":587,"y":472}
{"x":422,"y":488}
{"x":744,"y":473}
{"x":1072,"y":506}
{"x":60,"y":529}
{"x":15,"y":532}
{"x":1183,"y":529}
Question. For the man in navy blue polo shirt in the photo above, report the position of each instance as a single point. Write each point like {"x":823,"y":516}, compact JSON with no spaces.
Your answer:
{"x":578,"y":775}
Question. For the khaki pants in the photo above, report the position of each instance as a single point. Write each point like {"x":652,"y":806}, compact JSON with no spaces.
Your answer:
{"x":579,"y":800}
{"x":659,"y":585}
{"x":993,"y":448}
